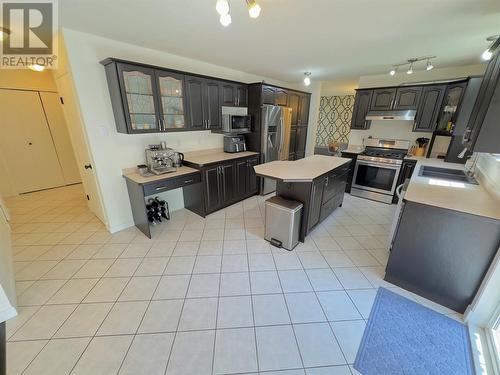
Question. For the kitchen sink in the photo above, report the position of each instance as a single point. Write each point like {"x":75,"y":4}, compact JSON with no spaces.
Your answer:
{"x":446,"y":174}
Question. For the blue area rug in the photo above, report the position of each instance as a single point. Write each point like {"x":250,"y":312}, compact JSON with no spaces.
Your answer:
{"x":404,"y":337}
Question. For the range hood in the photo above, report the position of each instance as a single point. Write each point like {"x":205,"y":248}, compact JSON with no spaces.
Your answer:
{"x":408,"y":115}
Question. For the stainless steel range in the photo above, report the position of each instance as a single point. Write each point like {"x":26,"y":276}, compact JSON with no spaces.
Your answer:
{"x":377,"y":168}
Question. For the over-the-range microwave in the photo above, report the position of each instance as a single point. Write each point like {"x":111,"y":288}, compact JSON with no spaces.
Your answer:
{"x":236,"y":124}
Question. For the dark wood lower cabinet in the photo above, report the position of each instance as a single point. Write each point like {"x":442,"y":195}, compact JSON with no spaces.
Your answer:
{"x":224,"y":183}
{"x":406,"y":172}
{"x":441,"y":254}
{"x":212,"y":184}
{"x":319,"y":197}
{"x":353,"y":156}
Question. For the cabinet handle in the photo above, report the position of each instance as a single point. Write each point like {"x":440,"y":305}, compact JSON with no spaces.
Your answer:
{"x":188,"y":181}
{"x":159,"y":125}
{"x":208,"y":123}
{"x":161,"y":188}
{"x":326,"y":182}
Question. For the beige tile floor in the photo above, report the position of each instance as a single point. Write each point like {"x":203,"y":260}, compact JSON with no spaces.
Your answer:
{"x":204,"y":296}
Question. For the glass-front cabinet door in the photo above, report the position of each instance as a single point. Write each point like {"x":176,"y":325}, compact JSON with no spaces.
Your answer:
{"x":171,"y":100}
{"x":138,"y":90}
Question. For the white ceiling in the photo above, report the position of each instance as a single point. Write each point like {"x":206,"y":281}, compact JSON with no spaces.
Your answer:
{"x":330,"y":38}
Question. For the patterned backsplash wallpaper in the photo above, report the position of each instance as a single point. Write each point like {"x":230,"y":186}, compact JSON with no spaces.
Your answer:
{"x":334,"y":122}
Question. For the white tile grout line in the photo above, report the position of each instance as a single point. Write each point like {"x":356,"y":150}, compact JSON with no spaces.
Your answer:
{"x":259,"y":205}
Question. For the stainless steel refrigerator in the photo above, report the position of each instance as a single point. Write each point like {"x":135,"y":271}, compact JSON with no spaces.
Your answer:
{"x":276,"y":126}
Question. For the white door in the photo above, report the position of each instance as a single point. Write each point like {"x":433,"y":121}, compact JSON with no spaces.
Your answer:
{"x":59,"y":130}
{"x":26,"y":143}
{"x":80,"y":144}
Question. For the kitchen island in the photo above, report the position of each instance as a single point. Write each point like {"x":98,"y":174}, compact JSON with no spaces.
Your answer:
{"x":317,"y":181}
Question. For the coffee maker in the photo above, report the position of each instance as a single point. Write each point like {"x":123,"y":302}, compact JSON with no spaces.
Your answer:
{"x":234,"y":143}
{"x":161,"y":159}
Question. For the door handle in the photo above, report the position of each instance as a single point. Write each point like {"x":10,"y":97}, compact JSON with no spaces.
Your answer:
{"x":88,"y":166}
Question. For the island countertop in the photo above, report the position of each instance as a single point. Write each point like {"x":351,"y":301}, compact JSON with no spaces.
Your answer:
{"x":302,"y":170}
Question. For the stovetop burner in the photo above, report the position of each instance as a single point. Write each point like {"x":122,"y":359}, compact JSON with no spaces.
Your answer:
{"x":385,"y":153}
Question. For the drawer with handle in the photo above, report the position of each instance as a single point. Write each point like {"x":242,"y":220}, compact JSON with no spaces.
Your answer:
{"x":171,"y":183}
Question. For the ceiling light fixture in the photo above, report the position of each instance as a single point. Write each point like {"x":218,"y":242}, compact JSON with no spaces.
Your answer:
{"x":253,"y":8}
{"x":222,"y":7}
{"x":410,"y":69}
{"x":4,"y":33}
{"x":307,"y":78}
{"x":488,"y":54}
{"x":37,"y":67}
{"x":225,"y":20}
{"x":411,"y":64}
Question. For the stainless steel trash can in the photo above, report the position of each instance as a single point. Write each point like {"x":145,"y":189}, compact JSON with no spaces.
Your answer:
{"x":283,"y":222}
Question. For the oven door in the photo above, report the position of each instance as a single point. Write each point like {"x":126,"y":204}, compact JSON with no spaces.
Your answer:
{"x":377,"y":177}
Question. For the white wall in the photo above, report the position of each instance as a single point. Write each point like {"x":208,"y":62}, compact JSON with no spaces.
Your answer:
{"x":113,"y":151}
{"x":403,"y":129}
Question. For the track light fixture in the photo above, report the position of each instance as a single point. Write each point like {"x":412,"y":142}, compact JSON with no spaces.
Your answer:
{"x":411,"y":64}
{"x":307,"y":78}
{"x":488,"y":54}
{"x":222,"y":7}
{"x":253,"y":8}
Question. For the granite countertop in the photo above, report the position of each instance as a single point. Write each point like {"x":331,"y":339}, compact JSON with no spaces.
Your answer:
{"x":452,"y":195}
{"x":302,"y":170}
{"x":204,"y":157}
{"x":133,"y":174}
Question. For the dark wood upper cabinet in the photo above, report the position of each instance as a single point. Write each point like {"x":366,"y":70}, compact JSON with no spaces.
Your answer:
{"x":267,"y":95}
{"x":212,"y":106}
{"x":195,"y":93}
{"x":407,"y":98}
{"x":293,"y":103}
{"x":361,"y":107}
{"x":280,"y":97}
{"x":451,"y":104}
{"x":228,"y":92}
{"x":303,"y":115}
{"x":139,"y":104}
{"x":149,"y":99}
{"x":234,"y":95}
{"x":483,"y":131}
{"x":242,"y":95}
{"x":429,"y":107}
{"x":383,"y":99}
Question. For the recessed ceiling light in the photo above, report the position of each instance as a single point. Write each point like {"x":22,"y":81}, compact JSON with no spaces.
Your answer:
{"x":225,"y":20}
{"x":253,"y":8}
{"x":37,"y":67}
{"x":222,"y":7}
{"x":393,"y":71}
{"x":307,"y":79}
{"x":429,"y":65}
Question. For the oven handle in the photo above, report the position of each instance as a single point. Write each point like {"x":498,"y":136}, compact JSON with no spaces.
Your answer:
{"x":381,"y":165}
